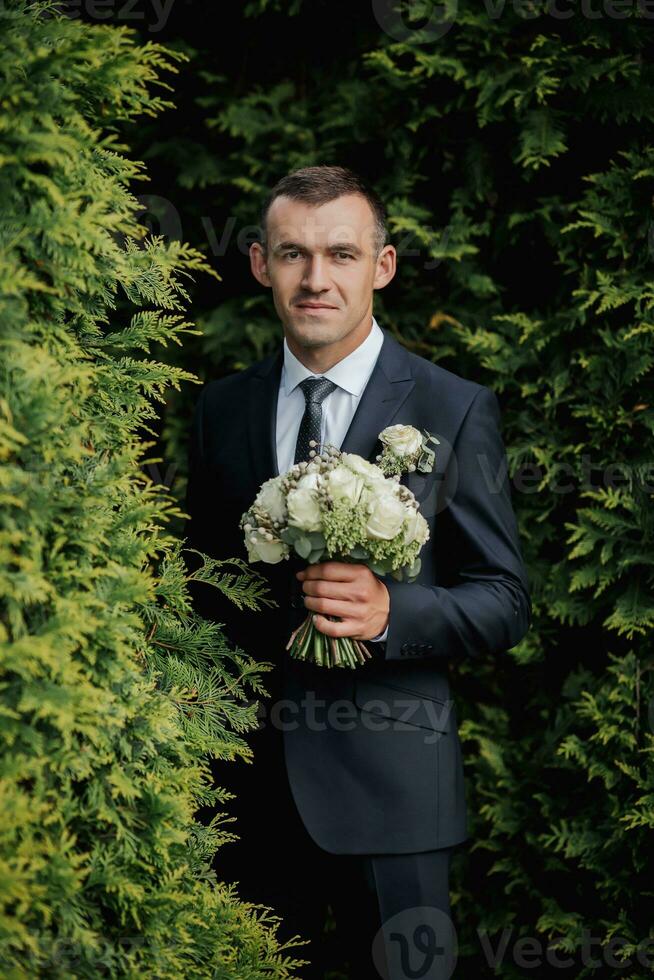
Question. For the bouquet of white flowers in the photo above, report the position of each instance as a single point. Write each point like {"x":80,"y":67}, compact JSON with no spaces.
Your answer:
{"x":337,"y":506}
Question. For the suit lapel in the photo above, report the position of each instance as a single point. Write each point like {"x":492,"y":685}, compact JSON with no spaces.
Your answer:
{"x":262,"y":416}
{"x":388,"y":387}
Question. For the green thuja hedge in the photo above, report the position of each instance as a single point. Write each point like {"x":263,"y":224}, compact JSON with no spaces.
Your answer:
{"x":113,"y":693}
{"x":515,"y":150}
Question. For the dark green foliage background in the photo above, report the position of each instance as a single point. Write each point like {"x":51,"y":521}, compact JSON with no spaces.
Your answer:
{"x":515,"y":155}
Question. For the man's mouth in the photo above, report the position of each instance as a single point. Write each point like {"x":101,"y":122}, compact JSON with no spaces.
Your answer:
{"x":315,"y":306}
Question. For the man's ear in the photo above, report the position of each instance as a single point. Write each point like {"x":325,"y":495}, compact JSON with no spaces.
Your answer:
{"x":259,"y":264}
{"x":386,"y":266}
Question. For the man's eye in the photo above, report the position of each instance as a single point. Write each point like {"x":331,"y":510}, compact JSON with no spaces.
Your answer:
{"x":293,"y":252}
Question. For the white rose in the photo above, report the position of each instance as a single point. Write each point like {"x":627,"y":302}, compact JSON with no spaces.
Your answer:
{"x":272,"y":499}
{"x":303,"y":505}
{"x":362,"y":467}
{"x":417,"y":528}
{"x":404,"y":440}
{"x":343,"y":484}
{"x":310,"y":481}
{"x":386,"y":514}
{"x":262,"y":549}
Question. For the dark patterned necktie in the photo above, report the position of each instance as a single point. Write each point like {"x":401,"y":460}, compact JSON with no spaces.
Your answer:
{"x":315,"y":390}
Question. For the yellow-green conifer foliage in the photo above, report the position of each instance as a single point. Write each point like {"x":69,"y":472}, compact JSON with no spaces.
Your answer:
{"x":113,"y":694}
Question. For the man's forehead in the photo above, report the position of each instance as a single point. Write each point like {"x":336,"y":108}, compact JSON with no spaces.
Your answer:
{"x":346,"y":218}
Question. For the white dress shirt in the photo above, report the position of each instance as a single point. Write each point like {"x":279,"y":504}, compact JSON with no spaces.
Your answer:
{"x":350,"y":375}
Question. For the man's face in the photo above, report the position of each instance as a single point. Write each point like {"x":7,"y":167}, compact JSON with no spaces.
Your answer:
{"x":322,"y":267}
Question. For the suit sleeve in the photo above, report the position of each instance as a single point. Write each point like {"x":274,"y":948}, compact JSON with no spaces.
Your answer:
{"x":485,"y":607}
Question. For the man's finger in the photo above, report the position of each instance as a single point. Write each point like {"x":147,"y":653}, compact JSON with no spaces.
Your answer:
{"x":334,"y":571}
{"x":329,"y":607}
{"x":329,"y":589}
{"x":346,"y":628}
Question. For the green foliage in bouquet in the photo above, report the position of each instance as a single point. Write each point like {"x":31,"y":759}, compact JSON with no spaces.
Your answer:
{"x":113,"y":694}
{"x":337,"y":506}
{"x":514,"y":149}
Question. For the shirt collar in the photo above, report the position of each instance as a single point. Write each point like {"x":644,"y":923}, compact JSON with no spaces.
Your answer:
{"x":351,"y":373}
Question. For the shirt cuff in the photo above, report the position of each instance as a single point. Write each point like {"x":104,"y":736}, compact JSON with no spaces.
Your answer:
{"x":380,"y":638}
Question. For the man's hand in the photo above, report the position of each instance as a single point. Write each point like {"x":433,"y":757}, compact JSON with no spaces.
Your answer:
{"x":347,"y":590}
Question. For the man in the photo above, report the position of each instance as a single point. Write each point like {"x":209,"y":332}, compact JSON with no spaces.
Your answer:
{"x":355,"y":798}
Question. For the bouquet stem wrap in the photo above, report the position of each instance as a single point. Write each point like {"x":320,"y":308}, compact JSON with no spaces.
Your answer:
{"x":308,"y":643}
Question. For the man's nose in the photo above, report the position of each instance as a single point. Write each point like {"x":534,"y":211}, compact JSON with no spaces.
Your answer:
{"x":315,"y":277}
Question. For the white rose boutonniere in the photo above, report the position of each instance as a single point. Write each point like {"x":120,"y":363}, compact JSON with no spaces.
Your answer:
{"x":406,"y":450}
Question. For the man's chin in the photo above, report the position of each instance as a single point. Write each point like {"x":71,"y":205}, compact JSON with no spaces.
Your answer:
{"x":316,"y":334}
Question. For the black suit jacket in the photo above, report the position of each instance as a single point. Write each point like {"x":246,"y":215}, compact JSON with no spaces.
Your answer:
{"x":372,"y":755}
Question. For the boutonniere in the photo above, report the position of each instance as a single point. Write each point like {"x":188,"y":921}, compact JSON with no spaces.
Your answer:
{"x":406,"y":450}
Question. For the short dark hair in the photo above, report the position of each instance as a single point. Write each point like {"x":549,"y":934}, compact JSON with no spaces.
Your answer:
{"x":318,"y":185}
